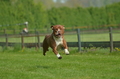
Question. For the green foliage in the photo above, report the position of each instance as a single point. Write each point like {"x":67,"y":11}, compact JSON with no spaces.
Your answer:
{"x":113,"y":13}
{"x":17,"y":47}
{"x":20,"y":11}
{"x":93,"y":17}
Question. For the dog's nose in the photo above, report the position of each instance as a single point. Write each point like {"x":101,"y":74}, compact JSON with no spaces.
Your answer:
{"x":59,"y":34}
{"x":58,"y":31}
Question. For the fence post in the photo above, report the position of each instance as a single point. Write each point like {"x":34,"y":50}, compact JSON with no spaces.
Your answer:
{"x":38,"y":38}
{"x":111,"y":39}
{"x":22,"y":41}
{"x":79,"y":41}
{"x":14,"y":31}
{"x":6,"y":37}
{"x":4,"y":31}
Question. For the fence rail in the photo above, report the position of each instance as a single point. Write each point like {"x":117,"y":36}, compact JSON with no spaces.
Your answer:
{"x":78,"y":44}
{"x":103,"y":44}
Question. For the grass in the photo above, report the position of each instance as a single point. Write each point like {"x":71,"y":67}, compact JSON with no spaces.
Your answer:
{"x":31,"y":64}
{"x":92,"y":63}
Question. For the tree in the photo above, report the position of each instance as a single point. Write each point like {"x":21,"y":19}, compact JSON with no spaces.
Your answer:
{"x":21,"y":11}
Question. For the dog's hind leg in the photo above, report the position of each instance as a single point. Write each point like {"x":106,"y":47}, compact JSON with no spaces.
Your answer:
{"x":45,"y":47}
{"x":44,"y":51}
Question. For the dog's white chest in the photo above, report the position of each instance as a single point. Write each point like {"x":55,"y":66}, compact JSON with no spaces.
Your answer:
{"x":59,"y":41}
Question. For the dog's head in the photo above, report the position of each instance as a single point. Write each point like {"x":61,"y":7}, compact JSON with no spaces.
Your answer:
{"x":58,"y":30}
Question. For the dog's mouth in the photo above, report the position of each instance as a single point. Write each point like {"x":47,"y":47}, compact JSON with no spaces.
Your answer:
{"x":58,"y":35}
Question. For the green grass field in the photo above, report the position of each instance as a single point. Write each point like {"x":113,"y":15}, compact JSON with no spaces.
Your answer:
{"x":30,"y":64}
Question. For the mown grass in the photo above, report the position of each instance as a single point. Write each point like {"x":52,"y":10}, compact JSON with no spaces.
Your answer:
{"x":91,"y":63}
{"x":31,"y":64}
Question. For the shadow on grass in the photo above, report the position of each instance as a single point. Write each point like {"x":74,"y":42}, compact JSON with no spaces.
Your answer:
{"x":43,"y":67}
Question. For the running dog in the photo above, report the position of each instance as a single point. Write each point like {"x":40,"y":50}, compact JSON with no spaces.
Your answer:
{"x":55,"y":40}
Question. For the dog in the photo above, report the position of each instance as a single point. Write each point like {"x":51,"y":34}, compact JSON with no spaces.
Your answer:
{"x":55,"y":40}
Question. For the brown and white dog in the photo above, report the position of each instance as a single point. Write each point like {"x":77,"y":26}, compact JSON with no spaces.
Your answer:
{"x":55,"y":40}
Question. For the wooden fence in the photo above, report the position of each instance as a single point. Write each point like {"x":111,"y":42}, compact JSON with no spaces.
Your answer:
{"x":78,"y":44}
{"x":101,"y":44}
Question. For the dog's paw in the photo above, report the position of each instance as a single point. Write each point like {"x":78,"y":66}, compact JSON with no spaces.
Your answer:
{"x":66,"y":52}
{"x":44,"y":54}
{"x":60,"y":57}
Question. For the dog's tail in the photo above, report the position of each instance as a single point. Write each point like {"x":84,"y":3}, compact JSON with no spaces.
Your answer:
{"x":45,"y":46}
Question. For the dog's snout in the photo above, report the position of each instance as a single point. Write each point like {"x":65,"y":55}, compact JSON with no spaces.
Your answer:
{"x":58,"y":30}
{"x":59,"y":34}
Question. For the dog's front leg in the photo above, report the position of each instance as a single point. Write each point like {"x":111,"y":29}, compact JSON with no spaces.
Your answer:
{"x":65,"y":47}
{"x":56,"y":53}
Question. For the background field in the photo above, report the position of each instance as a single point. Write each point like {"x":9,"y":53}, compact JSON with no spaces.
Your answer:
{"x":33,"y":65}
{"x":69,"y":38}
{"x":29,"y":63}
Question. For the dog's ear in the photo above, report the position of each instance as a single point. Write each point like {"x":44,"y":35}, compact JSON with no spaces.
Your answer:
{"x":52,"y":27}
{"x":63,"y":27}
